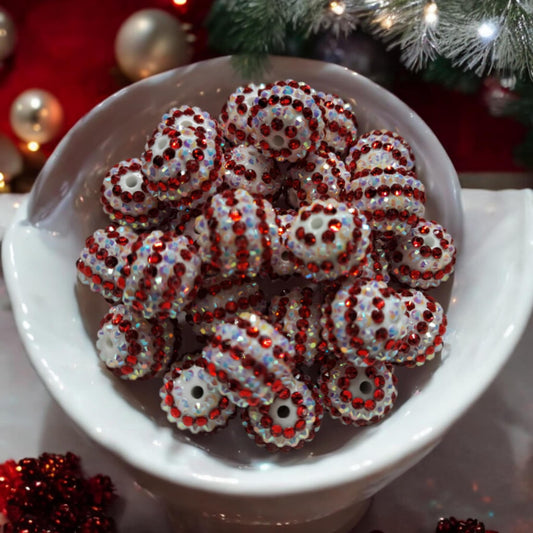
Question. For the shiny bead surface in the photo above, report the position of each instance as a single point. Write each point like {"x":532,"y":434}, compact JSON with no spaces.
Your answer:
{"x":392,"y":203}
{"x":291,"y":420}
{"x":286,"y":122}
{"x":182,"y":162}
{"x":423,"y":258}
{"x":248,"y":356}
{"x":191,"y":400}
{"x":126,"y":199}
{"x":233,"y":118}
{"x":328,"y":239}
{"x":341,"y":128}
{"x":358,"y":395}
{"x":364,"y":321}
{"x":164,"y":277}
{"x":382,"y":149}
{"x":427,"y":327}
{"x":132,"y":347}
{"x":245,"y":167}
{"x":320,"y":176}
{"x":104,"y":262}
{"x":237,"y":233}
{"x":297,"y":312}
{"x":222,"y":298}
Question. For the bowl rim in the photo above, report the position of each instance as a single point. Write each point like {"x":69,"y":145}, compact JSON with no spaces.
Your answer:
{"x":423,"y":443}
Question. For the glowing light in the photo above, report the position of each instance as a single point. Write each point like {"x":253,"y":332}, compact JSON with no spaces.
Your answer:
{"x":487,"y":30}
{"x":386,"y":21}
{"x":33,"y":146}
{"x":337,"y":7}
{"x":2,"y":181}
{"x":179,"y":2}
{"x":431,"y":14}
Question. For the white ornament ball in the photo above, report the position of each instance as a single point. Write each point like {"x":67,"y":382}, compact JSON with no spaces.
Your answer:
{"x":151,"y":41}
{"x":36,"y":115}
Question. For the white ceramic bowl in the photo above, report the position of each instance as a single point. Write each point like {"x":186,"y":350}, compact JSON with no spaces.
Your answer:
{"x":223,"y":480}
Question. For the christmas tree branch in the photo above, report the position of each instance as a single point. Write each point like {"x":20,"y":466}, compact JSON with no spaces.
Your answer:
{"x":481,"y":36}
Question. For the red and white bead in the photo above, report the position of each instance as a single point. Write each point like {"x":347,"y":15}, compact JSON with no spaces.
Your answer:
{"x":291,"y":420}
{"x":358,"y":395}
{"x":103,"y":262}
{"x":391,"y":203}
{"x":341,"y":129}
{"x":328,"y":239}
{"x":220,"y":299}
{"x":423,"y":258}
{"x":248,"y":356}
{"x":380,"y":149}
{"x":427,"y":326}
{"x":297,"y":312}
{"x":233,"y":118}
{"x":286,"y":122}
{"x":164,"y":276}
{"x":191,"y":400}
{"x":237,"y":233}
{"x":245,"y":167}
{"x":364,"y":321}
{"x":183,"y":165}
{"x":126,"y":199}
{"x":320,"y":176}
{"x":135,"y":348}
{"x":185,"y":116}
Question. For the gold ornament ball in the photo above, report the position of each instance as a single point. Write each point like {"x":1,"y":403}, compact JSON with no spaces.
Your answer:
{"x":151,"y":41}
{"x":36,"y":115}
{"x":8,"y":35}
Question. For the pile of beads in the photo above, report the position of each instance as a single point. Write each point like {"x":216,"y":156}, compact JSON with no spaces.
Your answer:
{"x":297,"y":251}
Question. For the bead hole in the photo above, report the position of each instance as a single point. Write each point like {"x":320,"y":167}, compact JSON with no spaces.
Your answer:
{"x":109,"y":342}
{"x":283,"y":411}
{"x":162,"y":143}
{"x":285,"y":255}
{"x":317,"y":223}
{"x":197,"y":392}
{"x":365,"y":387}
{"x":277,"y":141}
{"x":131,"y":181}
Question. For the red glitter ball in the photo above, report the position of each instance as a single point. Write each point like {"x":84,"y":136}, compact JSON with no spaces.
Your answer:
{"x":51,"y":494}
{"x":452,"y":525}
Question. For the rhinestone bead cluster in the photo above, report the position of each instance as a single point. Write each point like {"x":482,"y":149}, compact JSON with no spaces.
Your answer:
{"x":295,"y":250}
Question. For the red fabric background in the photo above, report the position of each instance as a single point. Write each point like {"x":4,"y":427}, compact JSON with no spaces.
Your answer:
{"x":66,"y":47}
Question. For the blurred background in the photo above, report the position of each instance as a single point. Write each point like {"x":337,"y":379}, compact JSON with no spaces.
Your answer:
{"x":60,"y":58}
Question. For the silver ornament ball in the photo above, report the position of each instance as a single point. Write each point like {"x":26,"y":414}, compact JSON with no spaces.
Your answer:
{"x":8,"y":34}
{"x":151,"y":41}
{"x":36,"y":115}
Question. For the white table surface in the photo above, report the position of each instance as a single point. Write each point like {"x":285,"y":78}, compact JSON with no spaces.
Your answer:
{"x":482,"y":469}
